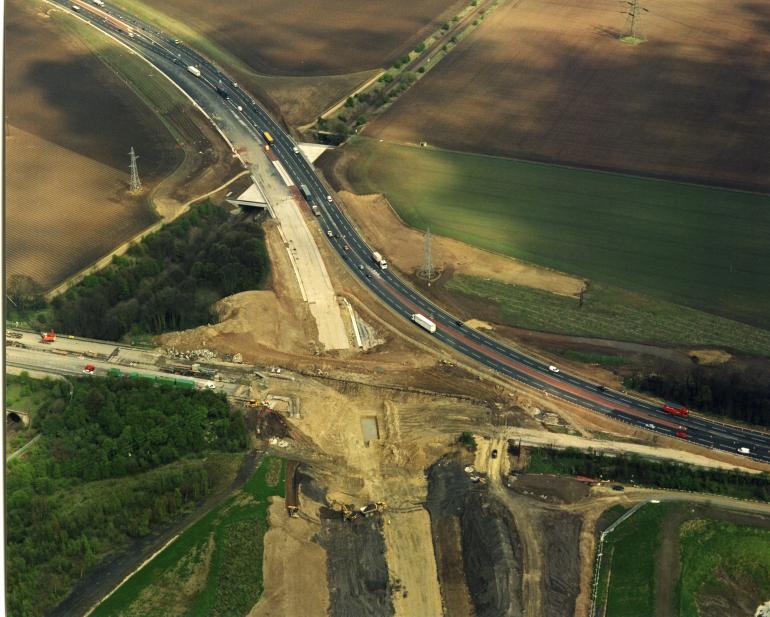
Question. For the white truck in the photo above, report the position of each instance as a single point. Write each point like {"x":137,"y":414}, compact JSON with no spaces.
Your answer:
{"x":424,"y":322}
{"x":99,"y":3}
{"x":194,"y":70}
{"x":380,"y":261}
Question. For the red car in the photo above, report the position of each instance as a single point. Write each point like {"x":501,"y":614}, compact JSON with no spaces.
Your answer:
{"x":681,"y":434}
{"x":89,"y":369}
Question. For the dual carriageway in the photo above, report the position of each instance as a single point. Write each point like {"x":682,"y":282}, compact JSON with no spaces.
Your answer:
{"x":172,"y":57}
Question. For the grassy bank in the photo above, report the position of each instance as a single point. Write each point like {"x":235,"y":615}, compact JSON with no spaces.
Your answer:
{"x":610,"y":312}
{"x":215,"y":566}
{"x":694,"y":245}
{"x":716,"y":554}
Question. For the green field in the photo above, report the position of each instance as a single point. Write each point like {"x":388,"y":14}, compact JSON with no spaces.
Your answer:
{"x":214,"y":567}
{"x":629,"y":564}
{"x":610,"y":312}
{"x":713,"y":554}
{"x":699,"y":246}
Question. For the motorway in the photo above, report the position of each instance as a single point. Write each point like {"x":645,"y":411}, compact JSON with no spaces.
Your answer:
{"x":172,"y":57}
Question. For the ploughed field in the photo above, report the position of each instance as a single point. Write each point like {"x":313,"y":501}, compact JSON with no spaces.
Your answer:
{"x":692,"y":245}
{"x":70,"y":124}
{"x":310,"y":37}
{"x":549,"y":80}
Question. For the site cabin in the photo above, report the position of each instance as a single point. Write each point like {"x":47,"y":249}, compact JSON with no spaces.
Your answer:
{"x":675,"y":409}
{"x":268,"y":137}
{"x":424,"y":322}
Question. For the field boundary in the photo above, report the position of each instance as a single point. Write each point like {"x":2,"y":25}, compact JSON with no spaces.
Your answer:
{"x":103,"y":262}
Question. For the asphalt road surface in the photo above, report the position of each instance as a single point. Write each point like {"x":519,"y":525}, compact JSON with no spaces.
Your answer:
{"x":217,"y":94}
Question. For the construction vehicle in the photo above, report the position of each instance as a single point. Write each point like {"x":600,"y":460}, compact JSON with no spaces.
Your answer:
{"x":293,"y":511}
{"x":675,"y":409}
{"x":48,"y":337}
{"x":379,"y":261}
{"x":424,"y":322}
{"x":194,"y":70}
{"x":371,"y":508}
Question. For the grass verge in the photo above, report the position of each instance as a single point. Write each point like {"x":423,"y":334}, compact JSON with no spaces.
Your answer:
{"x":695,"y":245}
{"x":215,"y":566}
{"x":610,"y":312}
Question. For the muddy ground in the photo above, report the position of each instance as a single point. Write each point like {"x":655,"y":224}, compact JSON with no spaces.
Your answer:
{"x":359,"y":585}
{"x":476,"y":545}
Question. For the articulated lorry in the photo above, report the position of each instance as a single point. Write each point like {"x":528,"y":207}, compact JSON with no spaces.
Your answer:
{"x":424,"y":322}
{"x":306,"y":193}
{"x":675,"y":409}
{"x":194,"y":70}
{"x":380,"y":261}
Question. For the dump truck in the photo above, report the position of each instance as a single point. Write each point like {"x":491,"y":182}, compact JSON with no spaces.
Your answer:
{"x":675,"y":409}
{"x":424,"y":322}
{"x":194,"y":70}
{"x":379,"y":261}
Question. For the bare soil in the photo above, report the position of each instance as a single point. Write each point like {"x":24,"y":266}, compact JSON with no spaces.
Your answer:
{"x":294,"y":567}
{"x":551,"y":81}
{"x":314,"y":38}
{"x":404,"y":249}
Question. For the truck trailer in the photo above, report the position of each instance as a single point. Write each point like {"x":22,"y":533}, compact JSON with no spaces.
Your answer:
{"x":380,"y":261}
{"x":194,"y":70}
{"x":424,"y":322}
{"x":306,"y":193}
{"x":676,"y":409}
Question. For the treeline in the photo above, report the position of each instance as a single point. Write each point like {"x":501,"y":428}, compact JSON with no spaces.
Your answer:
{"x":649,"y":473}
{"x":738,"y":394}
{"x":170,"y":280}
{"x":71,"y":502}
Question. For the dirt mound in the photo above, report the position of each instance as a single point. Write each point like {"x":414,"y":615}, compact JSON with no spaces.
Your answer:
{"x":357,"y":571}
{"x":403,"y":247}
{"x":492,"y":558}
{"x":561,"y":563}
{"x":249,"y":322}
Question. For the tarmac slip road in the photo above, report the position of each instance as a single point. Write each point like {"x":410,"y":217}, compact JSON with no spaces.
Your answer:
{"x":172,"y":58}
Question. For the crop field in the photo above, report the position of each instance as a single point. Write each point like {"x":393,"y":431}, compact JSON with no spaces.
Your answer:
{"x":692,"y":245}
{"x":214,"y":567}
{"x":70,"y":124}
{"x":310,"y":37}
{"x":550,"y":80}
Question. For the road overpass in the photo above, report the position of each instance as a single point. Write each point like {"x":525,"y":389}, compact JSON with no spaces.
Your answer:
{"x":221,"y":98}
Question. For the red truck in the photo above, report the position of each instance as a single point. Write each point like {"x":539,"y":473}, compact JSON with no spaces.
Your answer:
{"x":48,"y":337}
{"x":675,"y":409}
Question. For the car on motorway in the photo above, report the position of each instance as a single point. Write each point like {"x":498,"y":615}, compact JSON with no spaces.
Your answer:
{"x":459,"y":323}
{"x":649,"y":425}
{"x":602,"y":388}
{"x":553,"y":369}
{"x":618,"y":487}
{"x":346,"y":247}
{"x":295,"y":150}
{"x":329,"y":198}
{"x":330,"y":233}
{"x":494,"y":453}
{"x":681,"y":434}
{"x":368,"y":275}
{"x":744,"y":450}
